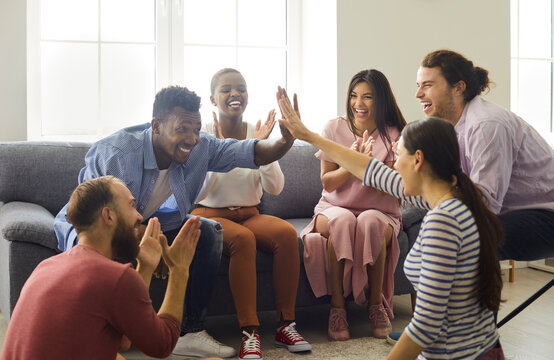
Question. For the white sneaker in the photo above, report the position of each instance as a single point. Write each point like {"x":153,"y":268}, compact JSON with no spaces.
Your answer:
{"x":201,"y":344}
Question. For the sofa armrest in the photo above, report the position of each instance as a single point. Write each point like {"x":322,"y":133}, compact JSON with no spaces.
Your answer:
{"x":28,"y":222}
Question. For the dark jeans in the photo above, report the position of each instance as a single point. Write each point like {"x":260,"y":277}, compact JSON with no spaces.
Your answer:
{"x":529,"y":235}
{"x":202,"y":275}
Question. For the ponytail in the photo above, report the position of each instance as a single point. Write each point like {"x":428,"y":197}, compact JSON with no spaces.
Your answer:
{"x":491,"y":236}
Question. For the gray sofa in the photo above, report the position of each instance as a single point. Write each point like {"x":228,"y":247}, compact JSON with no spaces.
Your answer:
{"x":36,"y":179}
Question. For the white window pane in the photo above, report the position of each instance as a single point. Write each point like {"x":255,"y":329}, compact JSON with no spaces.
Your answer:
{"x":69,"y":19}
{"x":209,"y":22}
{"x":535,"y":28}
{"x":128,"y":85}
{"x":69,"y":79}
{"x":118,"y":25}
{"x":201,"y":63}
{"x":262,"y":23}
{"x":535,"y":93}
{"x":264,"y":70}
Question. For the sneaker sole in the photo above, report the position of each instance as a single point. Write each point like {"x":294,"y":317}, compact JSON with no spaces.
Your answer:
{"x":204,"y":354}
{"x":251,"y":358}
{"x":294,"y":348}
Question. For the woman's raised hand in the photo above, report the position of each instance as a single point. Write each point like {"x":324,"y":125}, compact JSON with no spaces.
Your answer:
{"x":291,"y":115}
{"x":217,"y":128}
{"x":366,"y":146}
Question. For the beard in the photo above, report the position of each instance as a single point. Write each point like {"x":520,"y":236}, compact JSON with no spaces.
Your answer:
{"x":125,"y":244}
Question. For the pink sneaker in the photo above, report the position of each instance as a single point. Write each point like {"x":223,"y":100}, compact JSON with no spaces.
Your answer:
{"x":379,"y":321}
{"x":338,"y":326}
{"x":287,"y":336}
{"x":250,"y":347}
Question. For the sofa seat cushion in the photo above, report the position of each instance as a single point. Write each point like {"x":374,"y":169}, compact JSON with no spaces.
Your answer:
{"x":27,"y":222}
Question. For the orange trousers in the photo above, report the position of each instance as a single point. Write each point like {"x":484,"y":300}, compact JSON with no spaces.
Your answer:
{"x":244,"y":231}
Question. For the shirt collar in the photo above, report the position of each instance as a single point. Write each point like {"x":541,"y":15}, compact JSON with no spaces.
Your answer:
{"x":149,"y":157}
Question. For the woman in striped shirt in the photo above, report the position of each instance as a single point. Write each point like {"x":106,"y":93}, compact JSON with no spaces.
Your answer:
{"x":453,"y":265}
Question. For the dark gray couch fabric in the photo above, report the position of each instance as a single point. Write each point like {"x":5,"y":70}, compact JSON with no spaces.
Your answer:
{"x":36,"y":179}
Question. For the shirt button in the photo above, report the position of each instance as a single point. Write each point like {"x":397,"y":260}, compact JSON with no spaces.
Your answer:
{"x":142,"y":207}
{"x":153,"y":181}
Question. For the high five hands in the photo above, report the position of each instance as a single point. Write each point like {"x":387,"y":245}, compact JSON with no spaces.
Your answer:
{"x":291,"y":116}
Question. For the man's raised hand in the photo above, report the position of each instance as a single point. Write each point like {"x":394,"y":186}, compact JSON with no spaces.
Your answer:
{"x":150,"y":249}
{"x":179,"y":255}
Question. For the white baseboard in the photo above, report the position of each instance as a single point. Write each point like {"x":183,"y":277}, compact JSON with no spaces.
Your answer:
{"x":541,"y":265}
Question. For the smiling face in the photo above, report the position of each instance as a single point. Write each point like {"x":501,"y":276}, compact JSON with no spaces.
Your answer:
{"x":230,"y":95}
{"x":405,"y":165}
{"x":436,"y":96}
{"x":175,"y":136}
{"x":361,"y":103}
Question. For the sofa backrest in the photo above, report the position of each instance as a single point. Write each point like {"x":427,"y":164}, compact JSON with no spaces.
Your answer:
{"x":302,"y":188}
{"x":44,"y":173}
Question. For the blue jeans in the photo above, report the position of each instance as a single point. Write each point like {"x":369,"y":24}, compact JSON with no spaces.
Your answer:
{"x":202,"y":275}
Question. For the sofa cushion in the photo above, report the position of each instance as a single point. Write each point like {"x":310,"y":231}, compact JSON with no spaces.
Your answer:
{"x":43,"y":173}
{"x":302,"y":188}
{"x":26,"y":222}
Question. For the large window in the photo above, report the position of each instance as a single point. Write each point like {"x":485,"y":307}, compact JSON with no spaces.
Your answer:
{"x":532,"y":89}
{"x":95,"y":65}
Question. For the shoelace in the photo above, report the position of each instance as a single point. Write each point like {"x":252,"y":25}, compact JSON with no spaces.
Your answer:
{"x":208,"y":338}
{"x":380,"y":317}
{"x":252,"y":344}
{"x":291,"y":333}
{"x":338,"y":322}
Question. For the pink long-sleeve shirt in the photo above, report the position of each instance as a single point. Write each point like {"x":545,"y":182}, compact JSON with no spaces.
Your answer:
{"x":506,"y":157}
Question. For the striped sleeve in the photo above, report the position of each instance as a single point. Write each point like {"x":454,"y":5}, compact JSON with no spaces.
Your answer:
{"x":439,"y":246}
{"x":382,"y":177}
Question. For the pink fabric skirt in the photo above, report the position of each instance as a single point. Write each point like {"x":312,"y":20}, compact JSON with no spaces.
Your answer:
{"x":357,"y":237}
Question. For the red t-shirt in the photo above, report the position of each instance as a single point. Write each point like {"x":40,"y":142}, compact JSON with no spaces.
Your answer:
{"x":78,"y":304}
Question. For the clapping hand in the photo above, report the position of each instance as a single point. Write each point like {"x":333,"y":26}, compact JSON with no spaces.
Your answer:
{"x":150,"y":249}
{"x":263,"y":131}
{"x":179,"y":255}
{"x":364,"y":145}
{"x":217,"y":128}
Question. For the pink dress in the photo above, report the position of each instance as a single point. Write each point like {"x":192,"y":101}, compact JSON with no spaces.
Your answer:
{"x":358,"y":217}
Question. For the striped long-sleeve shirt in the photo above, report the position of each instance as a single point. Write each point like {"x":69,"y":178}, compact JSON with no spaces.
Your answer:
{"x":443,"y":267}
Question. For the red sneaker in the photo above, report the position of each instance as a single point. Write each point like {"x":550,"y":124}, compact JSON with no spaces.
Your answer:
{"x":250,"y":347}
{"x":287,"y":336}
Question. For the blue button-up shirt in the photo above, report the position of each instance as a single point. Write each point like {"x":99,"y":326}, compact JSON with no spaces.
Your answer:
{"x":129,"y":155}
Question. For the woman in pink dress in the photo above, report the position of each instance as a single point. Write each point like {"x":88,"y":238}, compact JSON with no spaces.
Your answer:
{"x":351,"y":244}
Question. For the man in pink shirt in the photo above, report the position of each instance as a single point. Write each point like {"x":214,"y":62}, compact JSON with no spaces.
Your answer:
{"x":512,"y":164}
{"x":83,"y":305}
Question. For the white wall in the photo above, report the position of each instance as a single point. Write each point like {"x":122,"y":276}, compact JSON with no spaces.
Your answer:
{"x":393,"y":37}
{"x":13,"y":83}
{"x":318,"y":75}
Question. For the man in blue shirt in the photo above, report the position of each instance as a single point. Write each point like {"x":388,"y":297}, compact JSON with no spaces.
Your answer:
{"x":165,"y":162}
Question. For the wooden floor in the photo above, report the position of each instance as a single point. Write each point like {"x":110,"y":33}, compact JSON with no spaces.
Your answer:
{"x":530,"y":335}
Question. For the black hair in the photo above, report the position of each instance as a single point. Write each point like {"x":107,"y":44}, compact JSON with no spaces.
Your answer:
{"x":436,"y":138}
{"x":170,"y":97}
{"x":385,"y":108}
